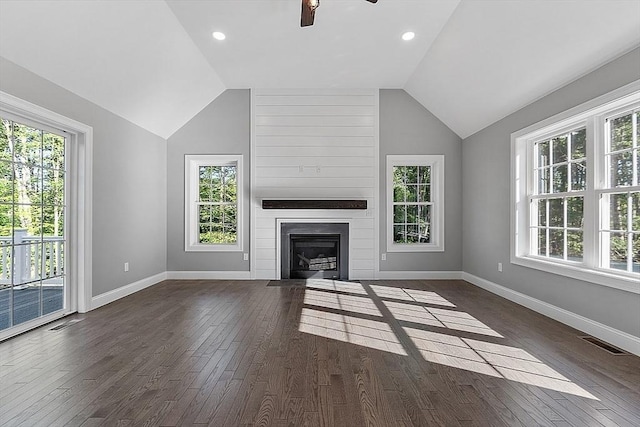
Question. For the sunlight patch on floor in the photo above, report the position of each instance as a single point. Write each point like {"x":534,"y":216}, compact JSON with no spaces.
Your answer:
{"x":413,"y":295}
{"x":491,"y":359}
{"x":410,"y":305}
{"x":393,"y":293}
{"x":428,"y":297}
{"x":438,"y":317}
{"x":355,"y":304}
{"x":462,"y":321}
{"x":354,"y":330}
{"x":335,"y":285}
{"x":412,"y":313}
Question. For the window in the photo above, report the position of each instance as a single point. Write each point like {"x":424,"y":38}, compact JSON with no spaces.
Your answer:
{"x":557,"y":201}
{"x":55,"y":154}
{"x":415,"y":205}
{"x":32,"y":218}
{"x":620,"y":197}
{"x":213,"y":203}
{"x":576,"y":198}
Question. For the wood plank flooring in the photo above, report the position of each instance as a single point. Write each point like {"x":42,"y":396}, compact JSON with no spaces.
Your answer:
{"x":379,"y":353}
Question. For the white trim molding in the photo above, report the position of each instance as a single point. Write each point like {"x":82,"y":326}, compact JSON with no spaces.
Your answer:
{"x":80,"y":194}
{"x":208,"y":275}
{"x":192,"y":163}
{"x":131,"y":288}
{"x":31,"y":324}
{"x":611,"y":335}
{"x":126,"y":290}
{"x":419,"y":275}
{"x":435,"y":202}
{"x":594,"y":266}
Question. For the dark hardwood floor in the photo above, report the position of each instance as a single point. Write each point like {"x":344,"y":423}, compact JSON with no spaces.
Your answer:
{"x":383,"y":353}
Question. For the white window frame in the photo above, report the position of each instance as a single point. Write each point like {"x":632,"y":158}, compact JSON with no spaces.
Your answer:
{"x":436,"y":228}
{"x":192,"y":164}
{"x":79,"y":165}
{"x":591,"y":115}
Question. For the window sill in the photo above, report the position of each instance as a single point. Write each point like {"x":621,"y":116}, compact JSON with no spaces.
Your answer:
{"x":578,"y":272}
{"x":414,"y":248}
{"x":213,"y":248}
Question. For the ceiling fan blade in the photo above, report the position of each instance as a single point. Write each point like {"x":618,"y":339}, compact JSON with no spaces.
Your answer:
{"x":372,"y":1}
{"x":308,"y":12}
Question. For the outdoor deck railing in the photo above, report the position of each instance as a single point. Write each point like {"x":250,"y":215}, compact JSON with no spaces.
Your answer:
{"x":36,"y":258}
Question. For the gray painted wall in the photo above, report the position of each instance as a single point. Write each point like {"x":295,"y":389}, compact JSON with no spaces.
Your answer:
{"x":406,"y":127}
{"x":486,"y":196}
{"x":129,"y":182}
{"x":223,"y":127}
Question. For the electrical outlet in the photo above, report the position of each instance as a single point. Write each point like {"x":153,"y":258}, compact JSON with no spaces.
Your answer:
{"x":245,"y":257}
{"x":126,"y":266}
{"x":500,"y":267}
{"x":383,"y":257}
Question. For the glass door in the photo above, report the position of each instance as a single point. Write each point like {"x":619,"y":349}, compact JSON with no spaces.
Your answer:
{"x":32,"y":223}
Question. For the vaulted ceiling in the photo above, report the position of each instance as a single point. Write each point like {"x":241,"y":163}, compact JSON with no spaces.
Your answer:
{"x":471,"y":63}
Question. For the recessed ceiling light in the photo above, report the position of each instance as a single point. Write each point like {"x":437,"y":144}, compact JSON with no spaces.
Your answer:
{"x":409,"y":35}
{"x":218,"y":35}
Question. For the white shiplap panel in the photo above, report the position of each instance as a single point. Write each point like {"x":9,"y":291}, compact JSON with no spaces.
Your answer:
{"x":266,"y":243}
{"x":314,"y":110}
{"x":264,"y":253}
{"x":265,"y":264}
{"x":313,"y":131}
{"x":322,"y":121}
{"x":273,"y":161}
{"x":321,"y":181}
{"x":368,"y":274}
{"x":315,"y":100}
{"x":315,"y":144}
{"x":361,"y":243}
{"x":364,"y":223}
{"x":315,"y":141}
{"x":265,"y":233}
{"x":312,"y":171}
{"x":306,"y":152}
{"x":362,"y":264}
{"x":265,"y":222}
{"x":315,"y":193}
{"x":265,"y":274}
{"x":361,"y":233}
{"x":362,"y":254}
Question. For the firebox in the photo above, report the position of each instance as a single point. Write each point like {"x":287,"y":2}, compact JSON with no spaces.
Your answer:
{"x":314,"y":250}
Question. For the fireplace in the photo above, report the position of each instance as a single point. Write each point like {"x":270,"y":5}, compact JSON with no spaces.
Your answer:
{"x":314,"y":250}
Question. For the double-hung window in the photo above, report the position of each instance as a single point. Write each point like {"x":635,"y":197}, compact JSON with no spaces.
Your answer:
{"x":576,"y":192}
{"x":620,"y":194}
{"x":557,"y":200}
{"x":415,"y":203}
{"x":213,"y":203}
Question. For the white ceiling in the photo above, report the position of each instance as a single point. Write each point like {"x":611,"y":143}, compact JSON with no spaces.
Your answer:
{"x":132,"y":58}
{"x":353,"y":43}
{"x":472,"y":61}
{"x":496,"y":56}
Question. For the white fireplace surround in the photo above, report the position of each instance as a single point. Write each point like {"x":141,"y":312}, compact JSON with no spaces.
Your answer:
{"x":314,"y":144}
{"x":280,"y":221}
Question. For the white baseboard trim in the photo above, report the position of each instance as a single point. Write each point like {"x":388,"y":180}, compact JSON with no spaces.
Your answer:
{"x":419,"y":275}
{"x":121,"y":292}
{"x":208,"y":275}
{"x":613,"y":336}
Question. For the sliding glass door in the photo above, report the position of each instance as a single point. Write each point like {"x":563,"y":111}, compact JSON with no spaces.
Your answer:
{"x":32,"y":222}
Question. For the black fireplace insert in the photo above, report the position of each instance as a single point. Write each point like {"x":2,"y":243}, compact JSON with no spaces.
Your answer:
{"x":314,"y":250}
